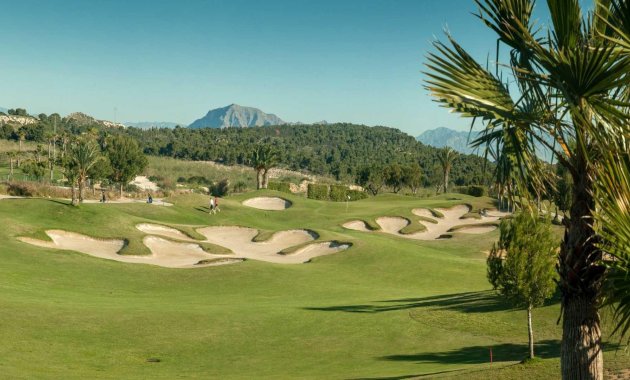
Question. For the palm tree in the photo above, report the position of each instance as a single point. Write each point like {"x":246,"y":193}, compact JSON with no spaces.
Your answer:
{"x":84,"y":154}
{"x":570,"y":87}
{"x":446,"y":156}
{"x":264,"y":158}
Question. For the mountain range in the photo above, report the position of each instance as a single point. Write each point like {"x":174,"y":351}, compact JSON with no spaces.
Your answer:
{"x":441,"y":137}
{"x":236,"y":116}
{"x":460,"y":141}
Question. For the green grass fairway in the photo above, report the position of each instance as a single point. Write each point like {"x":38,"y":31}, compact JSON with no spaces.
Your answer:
{"x":386,"y":308}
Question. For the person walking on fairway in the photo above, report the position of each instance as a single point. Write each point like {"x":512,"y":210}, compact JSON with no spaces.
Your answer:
{"x":212,"y":205}
{"x":103,"y":196}
{"x":216,"y":205}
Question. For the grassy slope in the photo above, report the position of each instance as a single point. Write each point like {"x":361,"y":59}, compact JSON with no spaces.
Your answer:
{"x":388,"y":307}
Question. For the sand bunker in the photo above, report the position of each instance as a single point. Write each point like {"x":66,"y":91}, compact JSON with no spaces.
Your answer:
{"x":169,"y":232}
{"x":357,"y":225}
{"x":71,"y":241}
{"x":320,"y":249}
{"x":171,"y":254}
{"x":268,"y":203}
{"x":450,"y":222}
{"x":476,"y":230}
{"x":240,"y":241}
{"x":164,"y":253}
{"x":392,"y":224}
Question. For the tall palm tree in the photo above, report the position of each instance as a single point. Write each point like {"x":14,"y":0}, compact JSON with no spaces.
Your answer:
{"x":446,"y":156}
{"x":571,"y":87}
{"x":84,"y":154}
{"x":264,"y":157}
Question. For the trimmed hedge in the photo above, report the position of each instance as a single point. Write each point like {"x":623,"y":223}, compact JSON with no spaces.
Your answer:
{"x":355,"y":195}
{"x":279,"y":186}
{"x":316,"y":191}
{"x":335,"y":193}
{"x":338,"y":193}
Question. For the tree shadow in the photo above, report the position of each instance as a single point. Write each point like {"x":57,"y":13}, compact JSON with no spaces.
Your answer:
{"x":468,"y":302}
{"x":504,"y":352}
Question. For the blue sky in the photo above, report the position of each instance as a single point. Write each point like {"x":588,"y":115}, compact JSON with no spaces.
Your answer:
{"x":354,"y":60}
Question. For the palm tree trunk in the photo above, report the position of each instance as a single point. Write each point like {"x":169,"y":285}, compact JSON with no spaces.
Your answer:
{"x":445,"y":181}
{"x":265,"y":178}
{"x":73,"y":191}
{"x":81,"y":186}
{"x":259,"y":182}
{"x":121,"y":189}
{"x":580,"y":282}
{"x":530,"y":331}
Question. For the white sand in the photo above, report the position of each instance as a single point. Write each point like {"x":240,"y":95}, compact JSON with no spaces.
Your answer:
{"x":171,"y":254}
{"x":452,"y":218}
{"x":156,"y":229}
{"x":319,"y":249}
{"x":188,"y":253}
{"x":164,"y":253}
{"x":268,"y":203}
{"x":239,"y":240}
{"x":357,"y":225}
{"x":392,"y":224}
{"x":476,"y":230}
{"x":105,"y":249}
{"x":423,"y":212}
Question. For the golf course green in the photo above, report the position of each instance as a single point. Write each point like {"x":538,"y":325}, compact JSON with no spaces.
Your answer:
{"x":386,"y":307}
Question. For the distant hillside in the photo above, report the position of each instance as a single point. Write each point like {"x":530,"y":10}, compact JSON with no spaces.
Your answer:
{"x":236,"y":116}
{"x":81,"y":119}
{"x":152,"y":124}
{"x":17,"y":120}
{"x":441,"y":137}
{"x":5,"y":110}
{"x":339,"y":149}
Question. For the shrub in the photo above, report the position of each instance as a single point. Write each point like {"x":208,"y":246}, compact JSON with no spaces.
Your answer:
{"x":199,"y":180}
{"x":476,"y":191}
{"x":20,"y":189}
{"x":221,"y":188}
{"x":239,"y":187}
{"x":316,"y":191}
{"x":280,"y":186}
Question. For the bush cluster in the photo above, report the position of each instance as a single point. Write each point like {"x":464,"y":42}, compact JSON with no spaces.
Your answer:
{"x":280,"y":186}
{"x":335,"y":193}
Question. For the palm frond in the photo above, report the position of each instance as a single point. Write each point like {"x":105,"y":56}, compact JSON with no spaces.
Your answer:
{"x":458,"y":82}
{"x":613,"y":218}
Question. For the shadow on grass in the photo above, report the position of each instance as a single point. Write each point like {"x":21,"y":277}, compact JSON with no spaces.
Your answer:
{"x":469,"y":302}
{"x":501,"y":353}
{"x":504,"y":352}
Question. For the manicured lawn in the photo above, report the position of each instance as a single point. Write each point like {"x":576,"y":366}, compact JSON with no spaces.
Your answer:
{"x":388,"y":307}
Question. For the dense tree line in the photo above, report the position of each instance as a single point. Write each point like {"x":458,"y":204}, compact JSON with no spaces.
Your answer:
{"x":341,"y":150}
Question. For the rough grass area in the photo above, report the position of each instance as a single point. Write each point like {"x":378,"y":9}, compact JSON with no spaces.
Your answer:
{"x":387,"y":307}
